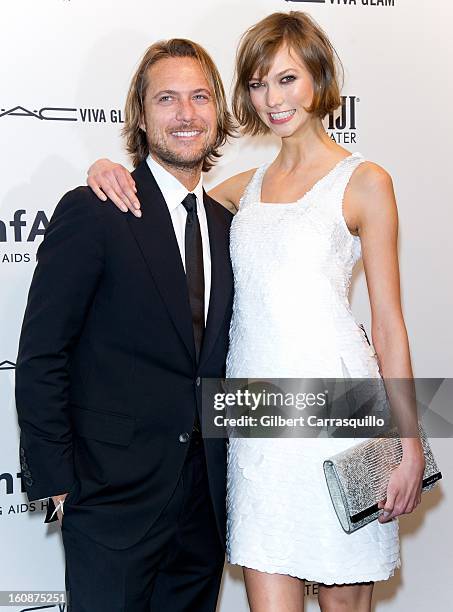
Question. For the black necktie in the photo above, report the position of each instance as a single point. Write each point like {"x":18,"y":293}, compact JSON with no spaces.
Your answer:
{"x":194,"y":269}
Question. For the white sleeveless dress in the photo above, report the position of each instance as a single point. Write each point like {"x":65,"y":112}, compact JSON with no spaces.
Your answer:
{"x":292,"y":268}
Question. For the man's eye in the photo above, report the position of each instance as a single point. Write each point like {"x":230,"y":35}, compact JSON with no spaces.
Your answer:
{"x":165,"y":98}
{"x":288,"y":78}
{"x":201,"y":97}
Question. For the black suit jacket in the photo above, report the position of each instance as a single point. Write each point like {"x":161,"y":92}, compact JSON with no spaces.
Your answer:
{"x":107,"y":383}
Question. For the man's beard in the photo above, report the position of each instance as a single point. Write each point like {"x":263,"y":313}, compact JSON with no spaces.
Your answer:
{"x":191,"y":160}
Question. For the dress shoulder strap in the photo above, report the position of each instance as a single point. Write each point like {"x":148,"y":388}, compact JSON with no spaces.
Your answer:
{"x":252,"y":192}
{"x":344,"y":172}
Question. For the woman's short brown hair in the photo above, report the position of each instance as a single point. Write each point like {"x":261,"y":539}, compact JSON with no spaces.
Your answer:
{"x":257,"y":49}
{"x":136,"y":143}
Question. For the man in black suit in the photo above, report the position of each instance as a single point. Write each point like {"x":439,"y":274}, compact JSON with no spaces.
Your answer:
{"x":125,"y":315}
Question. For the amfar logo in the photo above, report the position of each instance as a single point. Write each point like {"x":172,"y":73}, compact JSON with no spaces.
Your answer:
{"x":12,"y":484}
{"x":60,"y":113}
{"x":342,"y":125}
{"x":38,"y":227}
{"x":21,"y":233}
{"x":349,"y":2}
{"x":9,"y":480}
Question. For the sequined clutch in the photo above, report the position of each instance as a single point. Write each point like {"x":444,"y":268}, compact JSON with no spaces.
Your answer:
{"x":357,"y":477}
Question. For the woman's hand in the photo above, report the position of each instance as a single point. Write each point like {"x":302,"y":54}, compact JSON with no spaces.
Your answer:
{"x":114,"y":181}
{"x":405,"y":487}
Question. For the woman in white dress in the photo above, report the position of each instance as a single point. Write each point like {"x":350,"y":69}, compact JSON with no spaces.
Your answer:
{"x":302,"y":223}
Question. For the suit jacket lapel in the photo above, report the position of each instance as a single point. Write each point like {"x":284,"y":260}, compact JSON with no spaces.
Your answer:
{"x":156,"y":238}
{"x":221,"y":275}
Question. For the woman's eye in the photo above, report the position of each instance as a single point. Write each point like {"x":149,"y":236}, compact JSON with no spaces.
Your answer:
{"x":288,"y":78}
{"x":255,"y":85}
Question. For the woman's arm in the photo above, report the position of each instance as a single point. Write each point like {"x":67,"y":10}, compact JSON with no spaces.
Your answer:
{"x":371,"y":207}
{"x":110,"y":180}
{"x":229,"y":192}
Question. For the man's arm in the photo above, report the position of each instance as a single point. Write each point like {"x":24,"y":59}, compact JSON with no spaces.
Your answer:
{"x":70,"y":264}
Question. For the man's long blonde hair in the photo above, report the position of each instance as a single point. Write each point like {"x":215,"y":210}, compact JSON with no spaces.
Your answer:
{"x":136,"y":142}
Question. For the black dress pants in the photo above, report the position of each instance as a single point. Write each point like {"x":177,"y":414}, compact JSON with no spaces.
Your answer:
{"x":176,"y":567}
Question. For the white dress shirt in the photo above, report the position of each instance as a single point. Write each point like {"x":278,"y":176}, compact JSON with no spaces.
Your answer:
{"x":174,"y":193}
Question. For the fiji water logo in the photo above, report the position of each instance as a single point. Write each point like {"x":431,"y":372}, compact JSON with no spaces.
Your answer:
{"x":342,"y":124}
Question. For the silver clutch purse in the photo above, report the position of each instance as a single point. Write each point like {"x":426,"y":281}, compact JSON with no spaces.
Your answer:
{"x":357,"y":478}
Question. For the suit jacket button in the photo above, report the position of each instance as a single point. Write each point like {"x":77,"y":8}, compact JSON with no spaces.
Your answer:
{"x":184,"y":437}
{"x":29,"y":481}
{"x":198,"y":381}
{"x":27,"y":474}
{"x":24,"y":465}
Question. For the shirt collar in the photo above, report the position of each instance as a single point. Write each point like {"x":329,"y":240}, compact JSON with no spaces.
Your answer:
{"x":173,"y":191}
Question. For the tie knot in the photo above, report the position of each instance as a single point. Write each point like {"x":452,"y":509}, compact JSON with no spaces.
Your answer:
{"x":190,"y":203}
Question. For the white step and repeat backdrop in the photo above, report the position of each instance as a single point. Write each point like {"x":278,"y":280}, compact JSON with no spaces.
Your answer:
{"x":64,"y":71}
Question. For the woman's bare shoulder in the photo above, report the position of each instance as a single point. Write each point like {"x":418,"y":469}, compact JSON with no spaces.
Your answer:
{"x":229,"y":192}
{"x":370,"y":197}
{"x":369,"y":176}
